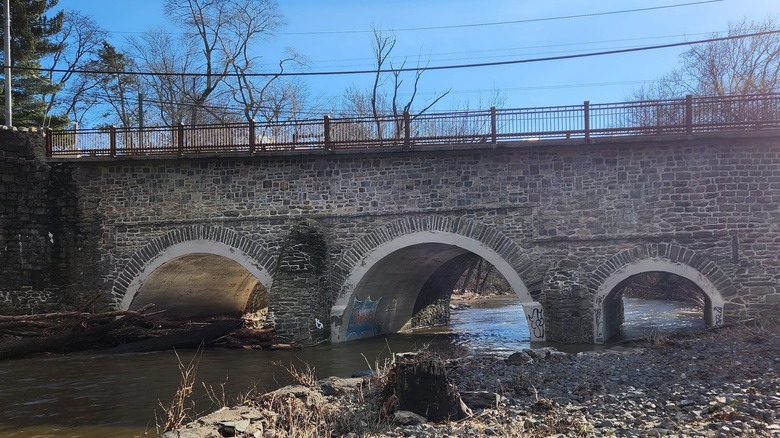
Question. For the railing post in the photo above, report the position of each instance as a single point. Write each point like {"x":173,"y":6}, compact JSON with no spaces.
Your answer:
{"x":180,"y":139}
{"x":252,"y":138}
{"x":407,"y":130}
{"x":689,"y":114}
{"x":49,"y":143}
{"x":326,"y":128}
{"x":112,"y":140}
{"x":493,"y":125}
{"x":586,"y":107}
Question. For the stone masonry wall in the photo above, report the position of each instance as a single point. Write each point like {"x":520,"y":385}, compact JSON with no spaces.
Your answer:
{"x":46,"y":230}
{"x":26,"y":235}
{"x":570,"y":206}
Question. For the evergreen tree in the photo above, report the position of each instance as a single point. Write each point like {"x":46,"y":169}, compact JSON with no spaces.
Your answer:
{"x":31,"y":32}
{"x":116,"y":90}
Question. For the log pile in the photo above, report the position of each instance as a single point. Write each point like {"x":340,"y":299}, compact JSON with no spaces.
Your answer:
{"x":122,"y":332}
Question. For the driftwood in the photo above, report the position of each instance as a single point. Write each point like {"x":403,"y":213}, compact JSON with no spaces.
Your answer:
{"x":122,"y":332}
{"x":71,"y":315}
{"x":263,"y":334}
{"x":69,"y":341}
{"x":183,"y":339}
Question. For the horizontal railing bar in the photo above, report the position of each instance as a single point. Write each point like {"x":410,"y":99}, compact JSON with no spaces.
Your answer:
{"x":650,"y":117}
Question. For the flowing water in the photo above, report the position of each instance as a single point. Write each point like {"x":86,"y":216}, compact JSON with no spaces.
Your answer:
{"x":117,"y":396}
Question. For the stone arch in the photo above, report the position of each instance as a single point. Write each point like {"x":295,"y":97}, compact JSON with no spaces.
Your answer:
{"x":184,"y":241}
{"x":671,"y":258}
{"x":468,"y":235}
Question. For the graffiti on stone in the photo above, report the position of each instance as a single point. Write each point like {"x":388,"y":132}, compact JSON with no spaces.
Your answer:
{"x":717,"y":311}
{"x":536,"y":322}
{"x":362,"y":322}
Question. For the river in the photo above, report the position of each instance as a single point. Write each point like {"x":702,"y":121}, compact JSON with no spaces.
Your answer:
{"x":94,"y":396}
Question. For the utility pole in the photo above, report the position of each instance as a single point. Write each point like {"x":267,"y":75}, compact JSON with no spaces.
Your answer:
{"x":7,"y":61}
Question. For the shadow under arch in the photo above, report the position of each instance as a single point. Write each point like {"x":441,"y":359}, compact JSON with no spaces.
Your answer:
{"x":199,"y":246}
{"x":413,"y":256}
{"x":605,"y":322}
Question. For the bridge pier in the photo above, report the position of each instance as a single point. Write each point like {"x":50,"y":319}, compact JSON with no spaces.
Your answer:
{"x":300,"y":299}
{"x":566,"y":304}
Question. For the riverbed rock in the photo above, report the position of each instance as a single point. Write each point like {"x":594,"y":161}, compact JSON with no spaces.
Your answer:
{"x":519,"y":358}
{"x":729,"y":389}
{"x":334,"y":385}
{"x":407,"y":418}
{"x":479,"y":399}
{"x":309,"y":396}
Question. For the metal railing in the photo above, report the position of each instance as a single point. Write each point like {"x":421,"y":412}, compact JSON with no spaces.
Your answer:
{"x":689,"y":115}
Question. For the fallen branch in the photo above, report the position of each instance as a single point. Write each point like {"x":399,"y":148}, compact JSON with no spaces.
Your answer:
{"x":74,"y":315}
{"x":187,"y":339}
{"x":72,"y":340}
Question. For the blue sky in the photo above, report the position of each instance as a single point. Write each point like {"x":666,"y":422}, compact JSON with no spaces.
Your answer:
{"x":598,"y":79}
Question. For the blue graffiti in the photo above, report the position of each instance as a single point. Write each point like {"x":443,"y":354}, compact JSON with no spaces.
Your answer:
{"x":362,"y":322}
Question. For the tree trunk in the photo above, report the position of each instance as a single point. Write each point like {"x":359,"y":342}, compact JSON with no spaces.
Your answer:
{"x":422,"y":387}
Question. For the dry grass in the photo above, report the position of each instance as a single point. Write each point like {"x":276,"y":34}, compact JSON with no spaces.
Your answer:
{"x":298,"y":418}
{"x":181,"y":407}
{"x":305,"y":375}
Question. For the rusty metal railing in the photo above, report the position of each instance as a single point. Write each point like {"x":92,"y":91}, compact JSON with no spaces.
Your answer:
{"x":689,"y":115}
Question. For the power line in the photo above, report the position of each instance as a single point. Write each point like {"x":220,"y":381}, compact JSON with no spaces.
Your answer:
{"x":415,"y":69}
{"x":503,"y":23}
{"x":509,"y":49}
{"x":473,"y":25}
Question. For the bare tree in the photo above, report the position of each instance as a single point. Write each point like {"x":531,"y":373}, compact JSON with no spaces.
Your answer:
{"x":377,"y":102}
{"x":77,"y":44}
{"x":737,"y":66}
{"x":159,"y":53}
{"x":220,"y":42}
{"x":733,"y":66}
{"x":269,"y":96}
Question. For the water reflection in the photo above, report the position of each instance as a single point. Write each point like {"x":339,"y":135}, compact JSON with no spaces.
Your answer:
{"x":646,"y":317}
{"x":495,"y":326}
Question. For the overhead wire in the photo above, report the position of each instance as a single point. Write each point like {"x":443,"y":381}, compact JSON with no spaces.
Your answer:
{"x":232,"y":109}
{"x":415,"y":69}
{"x":474,"y":25}
{"x":509,"y":49}
{"x":504,"y":23}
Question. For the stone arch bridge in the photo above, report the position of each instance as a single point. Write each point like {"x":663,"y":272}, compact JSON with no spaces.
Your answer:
{"x":363,"y":242}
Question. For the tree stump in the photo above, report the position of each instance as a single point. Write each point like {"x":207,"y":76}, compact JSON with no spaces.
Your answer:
{"x":422,"y":387}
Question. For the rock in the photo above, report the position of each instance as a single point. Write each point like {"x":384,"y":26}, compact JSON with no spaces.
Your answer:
{"x":308,"y":396}
{"x":227,"y":430}
{"x":686,"y":403}
{"x":335,"y":385}
{"x":479,"y":399}
{"x":236,"y":426}
{"x":519,"y":358}
{"x":407,"y":418}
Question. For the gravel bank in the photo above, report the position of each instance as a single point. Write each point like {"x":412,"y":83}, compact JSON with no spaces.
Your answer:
{"x":715,"y":384}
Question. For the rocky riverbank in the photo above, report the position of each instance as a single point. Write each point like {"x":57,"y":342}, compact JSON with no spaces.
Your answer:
{"x":720,"y":383}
